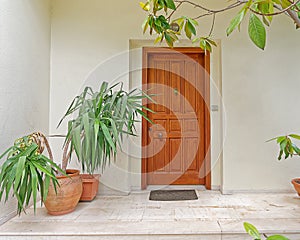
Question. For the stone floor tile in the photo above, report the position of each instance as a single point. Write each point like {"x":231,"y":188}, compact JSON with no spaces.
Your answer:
{"x":136,"y":217}
{"x":158,"y":214}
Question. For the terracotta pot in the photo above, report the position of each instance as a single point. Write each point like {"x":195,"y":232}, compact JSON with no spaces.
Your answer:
{"x":68,"y":194}
{"x":296,"y":183}
{"x":90,"y":185}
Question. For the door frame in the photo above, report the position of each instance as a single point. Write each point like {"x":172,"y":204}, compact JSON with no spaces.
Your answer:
{"x":207,"y":161}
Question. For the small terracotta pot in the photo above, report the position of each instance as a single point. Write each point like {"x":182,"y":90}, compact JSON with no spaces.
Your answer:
{"x":68,"y":194}
{"x":90,"y":185}
{"x":296,"y":183}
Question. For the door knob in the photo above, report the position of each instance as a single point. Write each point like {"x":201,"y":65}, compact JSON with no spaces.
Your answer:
{"x":160,"y":135}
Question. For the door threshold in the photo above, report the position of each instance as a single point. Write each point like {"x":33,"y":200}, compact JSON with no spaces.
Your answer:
{"x":176,"y":187}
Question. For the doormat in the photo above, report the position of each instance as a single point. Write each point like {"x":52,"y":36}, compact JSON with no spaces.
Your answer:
{"x":173,"y":195}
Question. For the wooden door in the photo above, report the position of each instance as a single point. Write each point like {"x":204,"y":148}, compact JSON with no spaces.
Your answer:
{"x":177,"y":141}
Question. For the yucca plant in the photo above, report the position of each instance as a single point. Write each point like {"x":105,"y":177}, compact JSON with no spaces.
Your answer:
{"x":26,"y":171}
{"x":99,"y":123}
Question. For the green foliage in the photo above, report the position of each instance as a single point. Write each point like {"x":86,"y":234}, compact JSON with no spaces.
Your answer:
{"x":26,"y":172}
{"x":253,"y":232}
{"x":101,"y":120}
{"x":257,"y":31}
{"x":235,"y":22}
{"x":159,"y":21}
{"x":205,"y":43}
{"x":287,"y":147}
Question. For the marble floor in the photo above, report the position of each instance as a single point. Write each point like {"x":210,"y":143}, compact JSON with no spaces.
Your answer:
{"x":212,"y":216}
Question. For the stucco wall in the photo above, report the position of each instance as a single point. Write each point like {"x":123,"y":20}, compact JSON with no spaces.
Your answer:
{"x":259,"y":88}
{"x":24,"y":73}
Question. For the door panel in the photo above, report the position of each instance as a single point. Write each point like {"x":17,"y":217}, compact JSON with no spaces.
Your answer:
{"x":177,"y":137}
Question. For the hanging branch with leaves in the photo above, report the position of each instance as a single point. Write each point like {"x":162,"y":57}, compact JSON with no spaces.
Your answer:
{"x":160,"y":20}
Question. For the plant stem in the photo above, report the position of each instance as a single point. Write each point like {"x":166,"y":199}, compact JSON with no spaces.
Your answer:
{"x":66,"y":155}
{"x":234,"y":5}
{"x":212,"y":25}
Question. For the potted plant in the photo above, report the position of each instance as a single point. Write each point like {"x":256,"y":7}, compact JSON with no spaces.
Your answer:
{"x":26,"y":171}
{"x":289,"y":149}
{"x":94,"y":133}
{"x":97,"y":125}
{"x":64,"y":198}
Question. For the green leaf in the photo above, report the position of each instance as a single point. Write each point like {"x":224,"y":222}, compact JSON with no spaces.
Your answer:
{"x":46,"y":187}
{"x":271,"y":10}
{"x":236,"y":21}
{"x":285,"y":3}
{"x":145,"y":24}
{"x":195,"y":40}
{"x":203,"y":44}
{"x":191,"y":27}
{"x":211,"y":42}
{"x":280,"y":139}
{"x":19,"y":172}
{"x":34,"y":184}
{"x":159,"y":38}
{"x":277,"y":237}
{"x":76,"y":141}
{"x":294,"y":136}
{"x":43,"y":169}
{"x":192,"y":21}
{"x":170,"y":4}
{"x":280,"y":155}
{"x":86,"y":127}
{"x":145,"y":6}
{"x":257,"y":31}
{"x":265,"y":21}
{"x":296,"y":149}
{"x":169,"y":40}
{"x":188,"y":32}
{"x":252,"y":231}
{"x":283,"y":144}
{"x":108,"y":136}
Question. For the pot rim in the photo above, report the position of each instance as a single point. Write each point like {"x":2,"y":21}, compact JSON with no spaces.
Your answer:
{"x":295,"y":179}
{"x":90,"y":177}
{"x":70,"y":173}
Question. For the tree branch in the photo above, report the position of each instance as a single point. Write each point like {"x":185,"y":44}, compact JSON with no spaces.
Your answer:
{"x":236,"y":4}
{"x":294,"y":16}
{"x":211,"y":12}
{"x":175,"y":10}
{"x":276,"y":13}
{"x":212,"y":25}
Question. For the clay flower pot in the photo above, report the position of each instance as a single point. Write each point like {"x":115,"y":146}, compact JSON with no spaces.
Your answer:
{"x":90,"y":185}
{"x":68,"y":194}
{"x":296,"y":183}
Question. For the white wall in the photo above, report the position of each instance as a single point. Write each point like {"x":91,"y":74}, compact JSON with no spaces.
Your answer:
{"x":24,"y":73}
{"x":259,"y":88}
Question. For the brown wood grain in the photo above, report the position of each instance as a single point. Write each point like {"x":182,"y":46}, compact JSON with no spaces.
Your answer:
{"x":179,"y":142}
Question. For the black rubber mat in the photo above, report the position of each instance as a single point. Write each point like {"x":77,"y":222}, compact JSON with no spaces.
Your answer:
{"x":173,"y":195}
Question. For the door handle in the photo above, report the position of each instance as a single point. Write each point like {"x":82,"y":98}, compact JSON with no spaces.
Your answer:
{"x":160,"y":135}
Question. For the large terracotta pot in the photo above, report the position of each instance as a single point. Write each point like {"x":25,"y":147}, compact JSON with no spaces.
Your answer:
{"x":90,"y":185}
{"x":296,"y":183}
{"x":68,"y":194}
